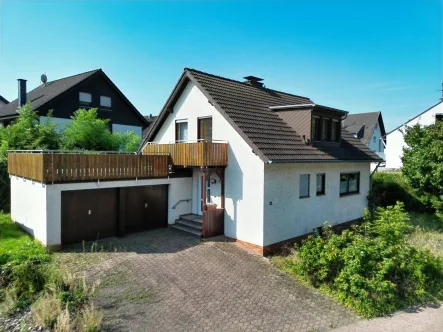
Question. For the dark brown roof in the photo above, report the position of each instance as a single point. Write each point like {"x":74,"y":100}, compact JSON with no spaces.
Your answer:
{"x":355,"y":122}
{"x":246,"y":108}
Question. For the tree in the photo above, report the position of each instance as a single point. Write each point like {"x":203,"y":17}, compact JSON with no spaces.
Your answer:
{"x":25,"y":133}
{"x":423,"y":162}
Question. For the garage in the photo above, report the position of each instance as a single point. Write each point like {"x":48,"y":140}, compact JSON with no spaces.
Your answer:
{"x":92,"y":214}
{"x":143,"y":208}
{"x":89,"y":215}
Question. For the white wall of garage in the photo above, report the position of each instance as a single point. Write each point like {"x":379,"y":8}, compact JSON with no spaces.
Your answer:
{"x":37,"y":207}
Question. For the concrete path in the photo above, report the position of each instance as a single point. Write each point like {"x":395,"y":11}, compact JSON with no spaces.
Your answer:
{"x":429,"y":319}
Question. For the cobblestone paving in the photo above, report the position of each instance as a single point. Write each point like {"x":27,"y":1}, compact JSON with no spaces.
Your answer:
{"x":165,"y":280}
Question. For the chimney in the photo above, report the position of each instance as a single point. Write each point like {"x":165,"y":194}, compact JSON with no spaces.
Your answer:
{"x":21,"y":92}
{"x":255,"y":81}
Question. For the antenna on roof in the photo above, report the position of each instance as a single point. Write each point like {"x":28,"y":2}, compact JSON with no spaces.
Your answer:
{"x":44,"y":79}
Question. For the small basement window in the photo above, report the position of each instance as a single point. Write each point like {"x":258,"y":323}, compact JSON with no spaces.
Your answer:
{"x":349,"y":183}
{"x":85,"y":99}
{"x":304,"y":185}
{"x":321,"y":184}
{"x":105,"y":103}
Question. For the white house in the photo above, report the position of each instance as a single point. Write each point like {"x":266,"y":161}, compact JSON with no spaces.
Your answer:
{"x":394,"y":149}
{"x":291,"y":165}
{"x":223,"y":157}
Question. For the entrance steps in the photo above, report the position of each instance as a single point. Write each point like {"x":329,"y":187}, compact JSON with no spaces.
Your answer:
{"x":190,"y":223}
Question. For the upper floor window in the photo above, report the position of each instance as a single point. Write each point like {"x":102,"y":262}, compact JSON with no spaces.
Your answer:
{"x":181,"y":131}
{"x":204,"y":129}
{"x":85,"y":99}
{"x":349,"y":183}
{"x":105,"y":102}
{"x":325,"y":129}
{"x":438,"y":117}
{"x":304,"y":185}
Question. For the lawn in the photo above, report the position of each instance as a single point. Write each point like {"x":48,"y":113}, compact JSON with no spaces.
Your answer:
{"x":16,"y":245}
{"x":428,"y":232}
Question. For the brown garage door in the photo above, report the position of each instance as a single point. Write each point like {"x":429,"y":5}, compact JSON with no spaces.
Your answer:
{"x":144,"y":208}
{"x":89,"y":215}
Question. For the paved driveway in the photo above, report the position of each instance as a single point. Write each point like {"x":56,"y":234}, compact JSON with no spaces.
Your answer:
{"x":165,"y":280}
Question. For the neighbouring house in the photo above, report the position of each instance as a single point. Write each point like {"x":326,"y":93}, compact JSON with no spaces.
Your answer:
{"x":224,"y":157}
{"x":394,"y":150}
{"x":370,"y":129}
{"x":3,"y":101}
{"x":64,"y":96}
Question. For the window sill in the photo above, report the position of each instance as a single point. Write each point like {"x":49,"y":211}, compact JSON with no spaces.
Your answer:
{"x":349,"y":194}
{"x":321,"y":194}
{"x":301,"y":197}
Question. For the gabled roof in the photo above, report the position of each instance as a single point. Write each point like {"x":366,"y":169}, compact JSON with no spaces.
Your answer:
{"x":53,"y":89}
{"x":3,"y":100}
{"x":415,"y":117}
{"x":355,"y":122}
{"x":247,"y":108}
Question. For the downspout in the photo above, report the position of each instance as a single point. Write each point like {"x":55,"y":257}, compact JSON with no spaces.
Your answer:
{"x":372,"y":206}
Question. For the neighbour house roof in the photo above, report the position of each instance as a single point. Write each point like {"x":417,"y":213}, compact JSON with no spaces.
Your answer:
{"x":366,"y":122}
{"x":247,"y":108}
{"x":53,"y":89}
{"x":150,"y":120}
{"x":3,"y":100}
{"x":415,"y":117}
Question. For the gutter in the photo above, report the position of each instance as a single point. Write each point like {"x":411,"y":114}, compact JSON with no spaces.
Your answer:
{"x":372,"y":207}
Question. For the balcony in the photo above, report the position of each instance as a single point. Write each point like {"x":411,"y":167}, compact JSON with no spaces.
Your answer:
{"x":58,"y":167}
{"x":192,"y":154}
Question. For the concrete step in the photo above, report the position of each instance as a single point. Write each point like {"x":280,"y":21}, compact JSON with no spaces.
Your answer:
{"x":187,"y":229}
{"x":193,"y":224}
{"x":192,"y":217}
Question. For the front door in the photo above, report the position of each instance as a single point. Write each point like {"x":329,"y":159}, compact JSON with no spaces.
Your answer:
{"x":201,"y":187}
{"x":204,"y":130}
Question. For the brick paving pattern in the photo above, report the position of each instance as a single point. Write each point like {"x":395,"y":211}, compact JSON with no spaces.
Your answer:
{"x":166,"y":280}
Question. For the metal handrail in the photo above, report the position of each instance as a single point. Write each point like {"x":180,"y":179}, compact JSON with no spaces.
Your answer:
{"x":71,"y":152}
{"x":182,"y":200}
{"x":189,"y":141}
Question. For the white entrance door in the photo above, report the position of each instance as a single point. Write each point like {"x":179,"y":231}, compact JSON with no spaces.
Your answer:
{"x":200,"y":195}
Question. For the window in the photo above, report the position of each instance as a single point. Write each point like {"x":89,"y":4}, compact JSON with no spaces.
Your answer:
{"x":204,"y":130}
{"x":181,"y":131}
{"x":316,"y":128}
{"x":304,"y":185}
{"x":321,"y":184}
{"x":105,"y":102}
{"x":349,"y":183}
{"x":374,"y":139}
{"x":324,"y":129}
{"x":335,"y":131}
{"x":85,"y":99}
{"x":438,"y":117}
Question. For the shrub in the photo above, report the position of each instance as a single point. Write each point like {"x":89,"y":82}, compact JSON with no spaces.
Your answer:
{"x":370,"y":267}
{"x":389,"y":188}
{"x":90,"y":319}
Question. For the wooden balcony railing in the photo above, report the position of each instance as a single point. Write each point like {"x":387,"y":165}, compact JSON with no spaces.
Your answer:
{"x":192,"y":154}
{"x":72,"y":167}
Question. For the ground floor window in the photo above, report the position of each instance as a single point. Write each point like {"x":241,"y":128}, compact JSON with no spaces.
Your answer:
{"x":304,"y":185}
{"x":349,"y":183}
{"x":321,"y":184}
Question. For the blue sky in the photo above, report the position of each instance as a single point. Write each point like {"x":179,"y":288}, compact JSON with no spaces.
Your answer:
{"x":360,"y":56}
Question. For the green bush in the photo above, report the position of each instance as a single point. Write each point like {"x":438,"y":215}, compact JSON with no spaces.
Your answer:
{"x":389,"y":188}
{"x":370,"y":267}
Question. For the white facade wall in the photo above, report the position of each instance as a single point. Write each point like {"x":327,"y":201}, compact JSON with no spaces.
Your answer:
{"x":38,"y":207}
{"x":290,"y":216}
{"x":116,"y":128}
{"x":395,"y":139}
{"x":28,"y":207}
{"x":243,"y":175}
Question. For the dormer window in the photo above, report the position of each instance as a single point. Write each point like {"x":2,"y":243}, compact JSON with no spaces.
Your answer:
{"x":325,"y":129}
